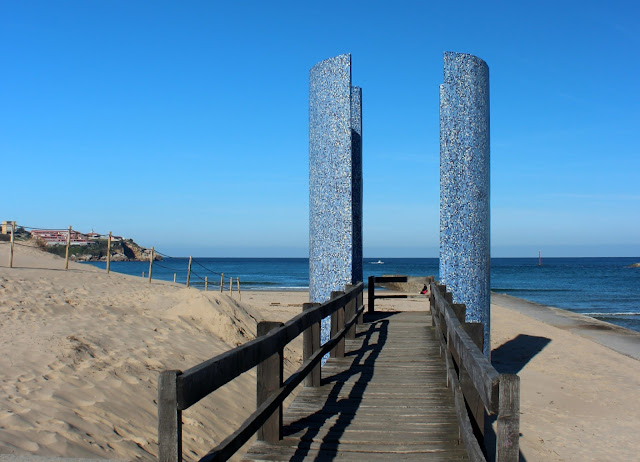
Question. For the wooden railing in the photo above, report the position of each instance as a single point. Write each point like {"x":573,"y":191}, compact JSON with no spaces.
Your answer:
{"x":476,"y":384}
{"x":371,"y":294}
{"x":178,"y":390}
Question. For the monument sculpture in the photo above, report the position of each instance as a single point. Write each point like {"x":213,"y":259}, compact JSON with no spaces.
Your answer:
{"x":335,"y":178}
{"x":464,"y":186}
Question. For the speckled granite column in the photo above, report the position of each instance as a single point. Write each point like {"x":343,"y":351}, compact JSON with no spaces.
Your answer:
{"x":335,"y":178}
{"x":464,"y":186}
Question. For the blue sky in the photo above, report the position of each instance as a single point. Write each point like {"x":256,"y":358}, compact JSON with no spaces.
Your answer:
{"x":184,"y":125}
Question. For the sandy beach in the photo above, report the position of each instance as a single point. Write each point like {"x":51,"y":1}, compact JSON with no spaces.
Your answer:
{"x":83,"y":349}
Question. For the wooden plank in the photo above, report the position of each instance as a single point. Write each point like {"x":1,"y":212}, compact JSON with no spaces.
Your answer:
{"x":385,"y":400}
{"x":508,"y":433}
{"x":304,"y":451}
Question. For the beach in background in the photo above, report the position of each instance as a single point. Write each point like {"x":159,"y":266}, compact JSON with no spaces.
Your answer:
{"x":84,"y":349}
{"x":607,"y":289}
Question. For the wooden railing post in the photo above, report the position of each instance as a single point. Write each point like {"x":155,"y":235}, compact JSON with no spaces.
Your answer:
{"x":432,"y":307}
{"x":269,"y":380}
{"x":359,"y":301}
{"x":337,"y":323}
{"x":169,"y":418}
{"x":371,"y":297}
{"x":349,"y":312}
{"x":311,"y":344}
{"x":508,"y":434}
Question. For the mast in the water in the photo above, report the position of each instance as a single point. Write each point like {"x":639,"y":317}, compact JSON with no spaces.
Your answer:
{"x":539,"y":258}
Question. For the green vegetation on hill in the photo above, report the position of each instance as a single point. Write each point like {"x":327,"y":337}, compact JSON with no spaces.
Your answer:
{"x":120,"y":251}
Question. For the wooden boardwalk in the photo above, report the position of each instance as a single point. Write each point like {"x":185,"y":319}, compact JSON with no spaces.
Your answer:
{"x":387,"y":399}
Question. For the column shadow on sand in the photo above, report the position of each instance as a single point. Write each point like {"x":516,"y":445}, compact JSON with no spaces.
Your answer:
{"x":344,"y":408}
{"x":510,"y":358}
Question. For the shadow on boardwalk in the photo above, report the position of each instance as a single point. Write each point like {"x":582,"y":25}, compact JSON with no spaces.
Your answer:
{"x":343,"y":407}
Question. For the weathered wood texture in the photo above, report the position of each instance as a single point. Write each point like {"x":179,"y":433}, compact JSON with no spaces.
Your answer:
{"x":269,"y":380}
{"x":475,"y":379}
{"x":310,"y":344}
{"x":169,"y":418}
{"x":337,"y":323}
{"x":386,"y":399}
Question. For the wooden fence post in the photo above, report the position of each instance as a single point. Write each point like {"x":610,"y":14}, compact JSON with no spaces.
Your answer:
{"x":311,"y":344}
{"x":221,"y":282}
{"x":359,"y":303}
{"x":238,"y":286}
{"x":109,"y":252}
{"x":13,"y":232}
{"x":189,"y":270}
{"x":206,"y":283}
{"x":231,"y":287}
{"x":371,"y":297}
{"x":432,"y":302}
{"x":269,"y":380}
{"x":66,"y":250}
{"x":169,"y":418}
{"x":349,"y":312}
{"x":151,"y":262}
{"x":508,"y":432}
{"x":174,"y":278}
{"x":337,"y":323}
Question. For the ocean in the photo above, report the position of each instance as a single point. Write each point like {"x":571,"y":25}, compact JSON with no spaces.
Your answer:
{"x":604,"y":288}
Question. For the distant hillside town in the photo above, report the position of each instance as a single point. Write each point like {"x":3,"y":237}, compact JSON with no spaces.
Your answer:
{"x":90,"y":246}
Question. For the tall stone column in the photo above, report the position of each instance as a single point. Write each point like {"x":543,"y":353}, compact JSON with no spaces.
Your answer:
{"x":335,"y":178}
{"x":465,"y":254}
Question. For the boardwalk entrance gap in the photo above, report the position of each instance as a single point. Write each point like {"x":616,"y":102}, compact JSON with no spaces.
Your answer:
{"x":398,"y":385}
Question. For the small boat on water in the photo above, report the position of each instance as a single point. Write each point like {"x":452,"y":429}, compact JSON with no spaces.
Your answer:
{"x":379,"y":262}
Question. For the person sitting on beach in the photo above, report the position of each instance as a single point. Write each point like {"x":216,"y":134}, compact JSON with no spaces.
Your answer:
{"x":424,"y":289}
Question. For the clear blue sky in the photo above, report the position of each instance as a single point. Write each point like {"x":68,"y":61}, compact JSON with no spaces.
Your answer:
{"x":184,"y":125}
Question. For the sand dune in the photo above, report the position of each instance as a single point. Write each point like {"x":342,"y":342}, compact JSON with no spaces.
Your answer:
{"x":83,"y":349}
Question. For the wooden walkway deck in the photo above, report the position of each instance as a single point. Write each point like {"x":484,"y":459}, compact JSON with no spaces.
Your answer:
{"x":385,"y":400}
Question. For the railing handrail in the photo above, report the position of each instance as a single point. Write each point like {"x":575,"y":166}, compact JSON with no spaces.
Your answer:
{"x":179,"y":390}
{"x":486,"y":379}
{"x":500,"y":393}
{"x":199,"y":381}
